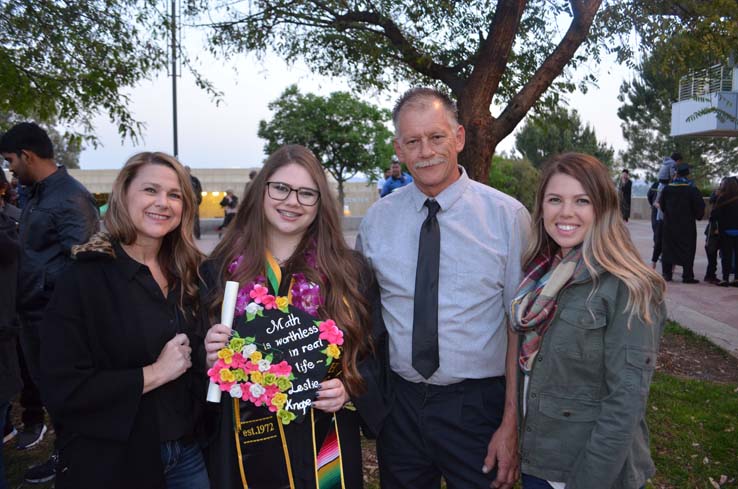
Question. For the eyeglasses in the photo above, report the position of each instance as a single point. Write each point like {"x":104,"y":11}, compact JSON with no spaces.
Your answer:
{"x":282,"y":191}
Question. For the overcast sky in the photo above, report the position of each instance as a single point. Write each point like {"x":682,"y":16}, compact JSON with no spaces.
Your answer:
{"x":224,"y":136}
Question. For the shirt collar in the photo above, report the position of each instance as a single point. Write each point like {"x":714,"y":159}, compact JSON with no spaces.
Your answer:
{"x":447,"y":197}
{"x":127,"y":265}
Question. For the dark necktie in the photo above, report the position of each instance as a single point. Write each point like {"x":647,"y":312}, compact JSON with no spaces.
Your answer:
{"x":425,"y":312}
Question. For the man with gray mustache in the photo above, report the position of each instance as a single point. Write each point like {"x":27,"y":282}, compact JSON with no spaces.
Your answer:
{"x":447,"y":264}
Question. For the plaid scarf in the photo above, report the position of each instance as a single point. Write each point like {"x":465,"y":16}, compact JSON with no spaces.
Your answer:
{"x":535,"y":301}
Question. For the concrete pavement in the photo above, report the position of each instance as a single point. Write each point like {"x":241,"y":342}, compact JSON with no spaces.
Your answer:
{"x":704,"y":308}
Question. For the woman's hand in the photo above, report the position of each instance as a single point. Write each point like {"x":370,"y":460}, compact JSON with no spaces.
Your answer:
{"x":217,"y":337}
{"x":173,"y":361}
{"x":331,"y":396}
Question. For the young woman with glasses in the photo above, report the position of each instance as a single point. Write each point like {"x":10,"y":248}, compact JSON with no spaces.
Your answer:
{"x":288,"y":227}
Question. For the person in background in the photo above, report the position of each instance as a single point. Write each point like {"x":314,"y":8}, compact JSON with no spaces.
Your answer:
{"x":682,"y":205}
{"x":252,"y":175}
{"x":10,"y":378}
{"x":18,"y":193}
{"x":397,"y":179}
{"x":590,"y":314}
{"x":712,"y":237}
{"x":229,"y":203}
{"x":123,"y":372}
{"x":667,"y":172}
{"x":197,"y":188}
{"x":625,"y":186}
{"x":725,"y":214}
{"x":381,"y":181}
{"x":58,"y":214}
{"x":653,"y":191}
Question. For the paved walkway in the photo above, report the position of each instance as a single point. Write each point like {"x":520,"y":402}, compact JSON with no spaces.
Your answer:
{"x":704,"y":308}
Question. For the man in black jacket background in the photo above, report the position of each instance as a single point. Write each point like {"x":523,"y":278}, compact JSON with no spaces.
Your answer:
{"x":59,"y":213}
{"x":10,"y":379}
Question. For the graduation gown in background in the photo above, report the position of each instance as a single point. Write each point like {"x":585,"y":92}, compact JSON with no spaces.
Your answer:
{"x":682,"y":206}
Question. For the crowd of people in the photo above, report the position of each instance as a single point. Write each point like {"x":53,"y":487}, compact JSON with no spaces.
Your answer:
{"x":676,"y":206}
{"x":478,"y":344}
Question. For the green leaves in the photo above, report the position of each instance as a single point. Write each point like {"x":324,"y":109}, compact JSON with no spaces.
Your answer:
{"x":67,"y":61}
{"x":646,"y":116}
{"x":347,"y":135}
{"x":558,"y":131}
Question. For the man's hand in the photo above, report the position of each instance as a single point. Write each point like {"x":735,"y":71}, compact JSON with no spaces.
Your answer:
{"x":502,"y":452}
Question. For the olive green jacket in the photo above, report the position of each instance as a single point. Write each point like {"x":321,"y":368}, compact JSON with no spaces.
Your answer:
{"x":585,"y":422}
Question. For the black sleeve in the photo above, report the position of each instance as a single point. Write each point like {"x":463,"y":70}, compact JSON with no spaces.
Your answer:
{"x":9,"y":247}
{"x":698,"y":204}
{"x":373,"y":405}
{"x":651,"y":195}
{"x":79,"y":394}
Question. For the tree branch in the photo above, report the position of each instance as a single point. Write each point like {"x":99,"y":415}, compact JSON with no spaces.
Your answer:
{"x":496,"y":48}
{"x":583,"y":15}
{"x":419,"y":62}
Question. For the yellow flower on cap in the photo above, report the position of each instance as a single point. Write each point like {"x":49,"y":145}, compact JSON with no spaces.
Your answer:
{"x":333,"y":351}
{"x":282,"y":303}
{"x":279,"y":399}
{"x":226,"y":354}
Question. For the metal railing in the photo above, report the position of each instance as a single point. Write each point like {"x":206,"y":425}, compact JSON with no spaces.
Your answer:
{"x":698,"y":83}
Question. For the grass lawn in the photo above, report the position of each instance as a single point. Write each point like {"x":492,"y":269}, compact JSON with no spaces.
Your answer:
{"x":692,"y":415}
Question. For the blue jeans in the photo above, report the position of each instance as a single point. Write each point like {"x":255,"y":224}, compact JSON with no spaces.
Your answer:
{"x":184,"y":467}
{"x":530,"y":482}
{"x":4,"y":406}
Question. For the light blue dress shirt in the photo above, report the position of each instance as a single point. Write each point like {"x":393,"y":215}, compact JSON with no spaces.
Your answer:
{"x":483,"y":234}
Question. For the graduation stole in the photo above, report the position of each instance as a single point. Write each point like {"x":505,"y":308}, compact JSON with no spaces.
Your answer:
{"x":260,"y":433}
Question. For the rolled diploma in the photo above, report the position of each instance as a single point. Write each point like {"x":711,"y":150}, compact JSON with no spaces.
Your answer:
{"x":226,"y":317}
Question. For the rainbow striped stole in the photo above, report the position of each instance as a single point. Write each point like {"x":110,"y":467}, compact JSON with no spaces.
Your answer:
{"x":328,"y":461}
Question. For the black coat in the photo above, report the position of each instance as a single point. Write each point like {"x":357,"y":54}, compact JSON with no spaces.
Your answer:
{"x":725,"y":214}
{"x":624,"y":194}
{"x":92,"y":359}
{"x":682,"y":206}
{"x":10,"y":379}
{"x":59,"y":213}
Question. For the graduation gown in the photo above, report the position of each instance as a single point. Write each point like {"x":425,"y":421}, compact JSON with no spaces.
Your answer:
{"x":304,"y":438}
{"x":682,"y":206}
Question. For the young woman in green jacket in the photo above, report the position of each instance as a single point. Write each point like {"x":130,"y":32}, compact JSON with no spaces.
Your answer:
{"x":590,"y":315}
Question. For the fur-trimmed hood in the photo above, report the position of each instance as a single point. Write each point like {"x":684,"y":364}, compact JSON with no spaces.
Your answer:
{"x":100,"y":245}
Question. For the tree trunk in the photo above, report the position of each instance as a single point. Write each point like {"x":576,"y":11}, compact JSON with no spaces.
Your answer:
{"x":341,"y":196}
{"x":476,"y":157}
{"x":483,"y":132}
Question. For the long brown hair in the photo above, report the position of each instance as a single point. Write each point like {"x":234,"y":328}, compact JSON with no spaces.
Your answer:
{"x":607,"y":242}
{"x":179,"y":257}
{"x":338,"y":267}
{"x":727,"y":193}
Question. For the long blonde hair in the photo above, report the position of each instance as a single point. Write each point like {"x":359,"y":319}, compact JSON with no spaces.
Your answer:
{"x":607,"y":243}
{"x":179,"y":257}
